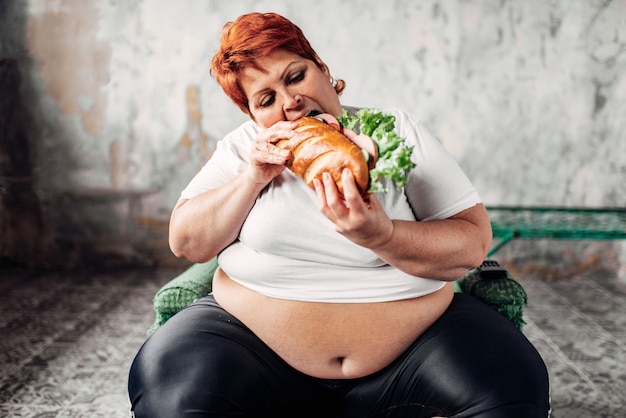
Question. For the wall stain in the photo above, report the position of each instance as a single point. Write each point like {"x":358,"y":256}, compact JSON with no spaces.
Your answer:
{"x":71,"y":61}
{"x":195,"y":144}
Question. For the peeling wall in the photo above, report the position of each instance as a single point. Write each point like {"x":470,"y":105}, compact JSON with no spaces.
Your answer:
{"x":71,"y":61}
{"x":528,"y":96}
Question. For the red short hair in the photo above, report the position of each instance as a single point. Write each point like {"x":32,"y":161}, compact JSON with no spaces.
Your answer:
{"x":253,"y":36}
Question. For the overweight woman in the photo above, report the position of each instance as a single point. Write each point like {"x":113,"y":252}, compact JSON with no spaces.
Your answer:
{"x":327,"y":304}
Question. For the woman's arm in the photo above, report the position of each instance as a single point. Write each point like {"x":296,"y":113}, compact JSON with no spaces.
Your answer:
{"x":443,"y":249}
{"x":438,"y":249}
{"x":204,"y":225}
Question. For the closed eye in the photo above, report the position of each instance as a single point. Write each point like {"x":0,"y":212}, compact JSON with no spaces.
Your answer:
{"x":271,"y":98}
{"x":296,"y":78}
{"x":268,"y":101}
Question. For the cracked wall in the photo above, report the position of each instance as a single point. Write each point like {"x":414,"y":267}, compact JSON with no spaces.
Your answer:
{"x":528,"y":96}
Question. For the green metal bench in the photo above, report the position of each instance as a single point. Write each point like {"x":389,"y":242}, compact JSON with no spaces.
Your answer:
{"x":536,"y":222}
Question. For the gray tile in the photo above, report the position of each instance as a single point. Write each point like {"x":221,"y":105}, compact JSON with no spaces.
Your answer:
{"x":29,"y":411}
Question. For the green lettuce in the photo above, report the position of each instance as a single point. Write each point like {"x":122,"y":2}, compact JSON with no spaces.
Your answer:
{"x":394,"y":156}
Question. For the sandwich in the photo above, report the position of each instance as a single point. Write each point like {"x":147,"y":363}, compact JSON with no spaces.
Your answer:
{"x":324,"y":143}
{"x":319,"y":146}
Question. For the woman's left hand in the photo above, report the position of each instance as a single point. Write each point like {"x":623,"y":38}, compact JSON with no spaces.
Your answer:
{"x":362,"y":221}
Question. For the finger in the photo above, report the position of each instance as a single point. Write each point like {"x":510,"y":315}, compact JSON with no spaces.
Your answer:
{"x":280,"y":130}
{"x":267,"y":147}
{"x":276,"y":155}
{"x":351,"y":192}
{"x":320,"y":192}
{"x":284,"y":124}
{"x":270,"y":153}
{"x":334,"y":200}
{"x":266,"y":143}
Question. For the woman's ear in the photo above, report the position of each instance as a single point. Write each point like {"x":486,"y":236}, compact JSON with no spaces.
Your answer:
{"x":324,"y":69}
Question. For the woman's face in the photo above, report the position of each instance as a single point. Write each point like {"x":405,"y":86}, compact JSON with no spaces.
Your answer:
{"x":287,"y":88}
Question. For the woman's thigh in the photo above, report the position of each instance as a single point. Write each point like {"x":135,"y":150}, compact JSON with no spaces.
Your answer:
{"x":471,"y":363}
{"x":203,"y":362}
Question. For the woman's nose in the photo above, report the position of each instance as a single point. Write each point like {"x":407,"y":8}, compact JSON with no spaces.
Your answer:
{"x":292,"y":101}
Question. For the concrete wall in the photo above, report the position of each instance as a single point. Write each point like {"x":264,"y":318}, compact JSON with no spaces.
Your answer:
{"x":529,"y":96}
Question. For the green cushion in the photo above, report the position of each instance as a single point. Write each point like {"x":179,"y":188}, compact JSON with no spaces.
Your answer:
{"x":179,"y":292}
{"x":506,"y":295}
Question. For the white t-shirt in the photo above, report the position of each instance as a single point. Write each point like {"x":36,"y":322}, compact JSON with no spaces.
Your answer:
{"x":288,"y":249}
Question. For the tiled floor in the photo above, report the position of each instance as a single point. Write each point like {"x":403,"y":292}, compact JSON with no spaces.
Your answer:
{"x":576,"y":317}
{"x":67,"y":339}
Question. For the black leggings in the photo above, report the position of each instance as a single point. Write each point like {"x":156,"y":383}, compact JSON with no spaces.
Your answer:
{"x":471,"y":363}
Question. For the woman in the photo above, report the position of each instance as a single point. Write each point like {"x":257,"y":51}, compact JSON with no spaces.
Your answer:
{"x":326,"y":306}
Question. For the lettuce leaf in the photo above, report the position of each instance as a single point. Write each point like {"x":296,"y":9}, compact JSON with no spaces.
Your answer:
{"x":394,"y":156}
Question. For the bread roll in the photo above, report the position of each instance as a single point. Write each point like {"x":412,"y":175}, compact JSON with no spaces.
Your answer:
{"x":318,"y":148}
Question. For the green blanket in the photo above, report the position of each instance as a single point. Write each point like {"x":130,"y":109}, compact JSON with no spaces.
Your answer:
{"x":179,"y":292}
{"x":506,"y":295}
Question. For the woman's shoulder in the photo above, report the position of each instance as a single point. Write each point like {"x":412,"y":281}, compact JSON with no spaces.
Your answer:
{"x":239,"y":140}
{"x":402,"y":116}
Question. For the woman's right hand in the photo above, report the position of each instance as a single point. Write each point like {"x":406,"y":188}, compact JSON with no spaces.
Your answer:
{"x":266,"y":159}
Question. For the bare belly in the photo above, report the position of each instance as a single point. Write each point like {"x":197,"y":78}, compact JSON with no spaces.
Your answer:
{"x":332,"y":340}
